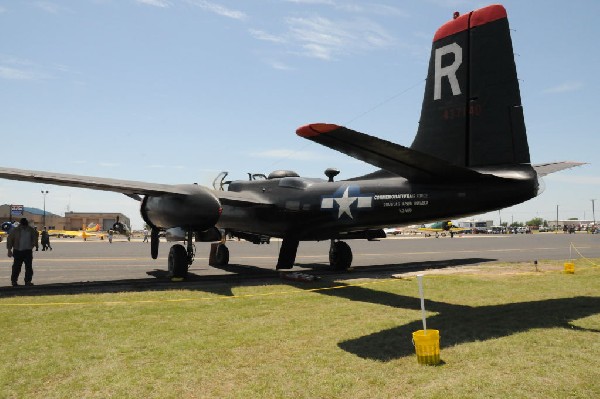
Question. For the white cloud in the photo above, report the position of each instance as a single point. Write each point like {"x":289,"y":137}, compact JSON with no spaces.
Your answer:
{"x":565,"y":87}
{"x":155,"y":3}
{"x":218,"y":9}
{"x":10,"y":73}
{"x":280,"y":66}
{"x":323,"y":38}
{"x":262,"y":35}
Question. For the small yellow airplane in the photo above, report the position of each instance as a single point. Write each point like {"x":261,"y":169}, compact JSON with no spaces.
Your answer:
{"x":89,"y":231}
{"x":443,"y":227}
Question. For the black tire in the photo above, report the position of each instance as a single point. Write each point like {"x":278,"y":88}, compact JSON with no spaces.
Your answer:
{"x":178,"y":261}
{"x":340,"y":256}
{"x":222,"y":255}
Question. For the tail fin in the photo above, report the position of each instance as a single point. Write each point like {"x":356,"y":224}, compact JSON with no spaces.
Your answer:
{"x":472,"y":114}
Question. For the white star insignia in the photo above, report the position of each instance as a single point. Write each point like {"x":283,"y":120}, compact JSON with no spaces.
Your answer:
{"x":344,"y":203}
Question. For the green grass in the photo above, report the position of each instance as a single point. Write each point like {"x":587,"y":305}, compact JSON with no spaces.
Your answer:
{"x":518,"y":335}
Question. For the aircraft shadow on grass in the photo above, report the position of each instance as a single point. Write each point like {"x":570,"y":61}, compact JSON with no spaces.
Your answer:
{"x":160,"y":281}
{"x":459,"y":324}
{"x":398,"y":268}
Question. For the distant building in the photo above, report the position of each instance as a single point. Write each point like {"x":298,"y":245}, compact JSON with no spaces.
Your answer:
{"x":34,"y":216}
{"x":475,"y":224}
{"x":71,"y":220}
{"x":574,"y":223}
{"x":75,"y":220}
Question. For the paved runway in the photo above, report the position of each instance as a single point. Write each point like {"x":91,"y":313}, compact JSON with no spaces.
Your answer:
{"x":98,"y":262}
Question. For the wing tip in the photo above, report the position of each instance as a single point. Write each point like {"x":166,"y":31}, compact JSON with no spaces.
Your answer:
{"x":315,"y":129}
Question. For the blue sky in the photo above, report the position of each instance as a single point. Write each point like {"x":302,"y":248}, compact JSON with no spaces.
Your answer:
{"x":175,"y":91}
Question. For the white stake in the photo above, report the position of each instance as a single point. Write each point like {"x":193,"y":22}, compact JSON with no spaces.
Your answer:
{"x":420,"y":279}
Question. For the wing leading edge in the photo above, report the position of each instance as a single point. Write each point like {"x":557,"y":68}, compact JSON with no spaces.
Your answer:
{"x":129,"y":187}
{"x":413,"y":165}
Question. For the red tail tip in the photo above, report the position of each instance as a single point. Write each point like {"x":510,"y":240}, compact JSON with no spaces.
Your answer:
{"x":472,"y":19}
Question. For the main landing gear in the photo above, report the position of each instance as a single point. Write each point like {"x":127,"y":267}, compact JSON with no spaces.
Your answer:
{"x":340,"y":255}
{"x":180,"y":257}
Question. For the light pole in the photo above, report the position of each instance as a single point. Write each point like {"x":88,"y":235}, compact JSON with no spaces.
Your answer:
{"x":593,"y":213}
{"x":44,"y":193}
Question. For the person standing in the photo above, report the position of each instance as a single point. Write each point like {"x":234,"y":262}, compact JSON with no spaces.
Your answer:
{"x":45,"y":240}
{"x":145,"y":235}
{"x":20,"y":245}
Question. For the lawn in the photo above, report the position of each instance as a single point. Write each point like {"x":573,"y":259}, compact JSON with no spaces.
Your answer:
{"x":518,"y":334}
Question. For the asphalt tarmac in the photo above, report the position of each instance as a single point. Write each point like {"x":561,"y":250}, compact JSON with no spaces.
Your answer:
{"x":73,"y":263}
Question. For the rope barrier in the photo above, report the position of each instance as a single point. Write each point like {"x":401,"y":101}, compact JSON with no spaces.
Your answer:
{"x":581,"y":255}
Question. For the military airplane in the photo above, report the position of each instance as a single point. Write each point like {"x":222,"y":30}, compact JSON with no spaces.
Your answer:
{"x":121,"y":229}
{"x":470,"y":155}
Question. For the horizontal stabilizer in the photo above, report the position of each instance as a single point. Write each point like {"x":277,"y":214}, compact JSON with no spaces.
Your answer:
{"x":544,"y":169}
{"x":402,"y":161}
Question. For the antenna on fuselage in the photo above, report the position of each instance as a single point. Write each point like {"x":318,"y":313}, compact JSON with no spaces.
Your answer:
{"x":331,"y":173}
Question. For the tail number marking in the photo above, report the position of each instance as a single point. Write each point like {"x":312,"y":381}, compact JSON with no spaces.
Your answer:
{"x":448,"y":71}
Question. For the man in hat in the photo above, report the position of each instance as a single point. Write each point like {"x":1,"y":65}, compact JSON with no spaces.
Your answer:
{"x":20,"y":243}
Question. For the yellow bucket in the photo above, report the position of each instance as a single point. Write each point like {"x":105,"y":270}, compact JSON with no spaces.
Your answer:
{"x":569,"y":267}
{"x":427,"y":346}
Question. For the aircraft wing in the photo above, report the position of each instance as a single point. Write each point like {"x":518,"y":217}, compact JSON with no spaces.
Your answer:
{"x":403,"y":161}
{"x":544,"y":169}
{"x":130,"y":188}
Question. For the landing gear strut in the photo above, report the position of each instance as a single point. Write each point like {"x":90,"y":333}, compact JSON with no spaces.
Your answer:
{"x":287,"y":253}
{"x":340,"y":255}
{"x":154,"y":240}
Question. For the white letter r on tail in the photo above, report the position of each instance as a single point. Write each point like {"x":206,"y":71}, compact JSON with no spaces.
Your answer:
{"x":449,"y":71}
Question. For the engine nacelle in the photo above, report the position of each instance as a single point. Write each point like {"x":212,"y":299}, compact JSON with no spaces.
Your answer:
{"x":199,"y":210}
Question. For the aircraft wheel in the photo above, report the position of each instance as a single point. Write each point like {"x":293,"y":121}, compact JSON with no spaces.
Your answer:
{"x":222,"y":255}
{"x":340,"y":255}
{"x":178,"y":261}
